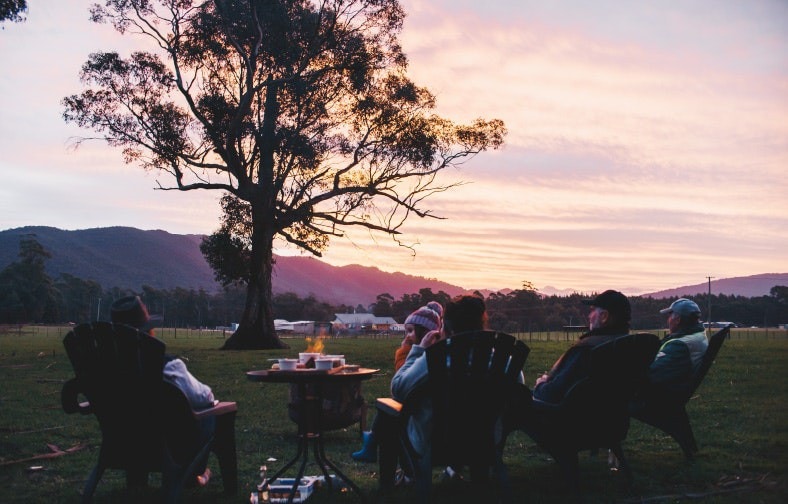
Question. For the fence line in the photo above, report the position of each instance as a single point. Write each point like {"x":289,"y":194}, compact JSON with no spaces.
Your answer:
{"x":529,"y":336}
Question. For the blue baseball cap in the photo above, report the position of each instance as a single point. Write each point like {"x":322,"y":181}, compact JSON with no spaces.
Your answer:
{"x":682,"y":307}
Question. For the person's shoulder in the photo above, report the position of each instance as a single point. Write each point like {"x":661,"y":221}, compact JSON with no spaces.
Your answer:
{"x":592,"y":340}
{"x":174,"y":364}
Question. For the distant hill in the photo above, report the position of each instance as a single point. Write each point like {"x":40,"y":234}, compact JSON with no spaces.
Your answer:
{"x":749,"y":286}
{"x":130,"y":258}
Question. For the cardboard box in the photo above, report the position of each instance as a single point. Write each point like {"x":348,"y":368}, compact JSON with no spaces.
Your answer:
{"x":279,"y":490}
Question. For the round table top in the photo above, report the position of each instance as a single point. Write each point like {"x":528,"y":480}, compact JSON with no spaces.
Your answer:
{"x":309,"y":375}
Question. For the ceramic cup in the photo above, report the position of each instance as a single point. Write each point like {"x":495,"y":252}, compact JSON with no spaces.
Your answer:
{"x":339,"y":360}
{"x":287,"y":364}
{"x":324,"y":363}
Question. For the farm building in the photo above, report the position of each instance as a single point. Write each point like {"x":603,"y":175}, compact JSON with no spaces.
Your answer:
{"x":302,"y":327}
{"x":362,"y":322}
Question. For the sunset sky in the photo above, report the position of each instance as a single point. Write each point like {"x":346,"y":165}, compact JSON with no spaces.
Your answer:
{"x":647,"y":145}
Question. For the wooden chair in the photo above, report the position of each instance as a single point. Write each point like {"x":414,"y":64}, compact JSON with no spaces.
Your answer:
{"x":472,"y":376}
{"x":594,"y":413}
{"x":667,"y":411}
{"x":147,"y":424}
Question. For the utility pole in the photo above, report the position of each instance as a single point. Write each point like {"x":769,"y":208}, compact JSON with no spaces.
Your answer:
{"x":98,"y":310}
{"x":708,"y":325}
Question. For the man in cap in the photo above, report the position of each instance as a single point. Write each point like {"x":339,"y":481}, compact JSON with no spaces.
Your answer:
{"x":682,"y":349}
{"x":609,"y":317}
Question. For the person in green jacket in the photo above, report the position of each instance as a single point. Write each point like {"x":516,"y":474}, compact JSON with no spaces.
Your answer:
{"x":682,"y":349}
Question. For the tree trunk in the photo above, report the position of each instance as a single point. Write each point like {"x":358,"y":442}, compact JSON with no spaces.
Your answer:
{"x":256,"y":327}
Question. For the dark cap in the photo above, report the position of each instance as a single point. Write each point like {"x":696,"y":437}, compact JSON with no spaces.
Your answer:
{"x":130,"y":310}
{"x":614,"y":302}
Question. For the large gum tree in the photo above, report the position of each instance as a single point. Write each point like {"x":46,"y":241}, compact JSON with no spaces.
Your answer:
{"x":299,"y":111}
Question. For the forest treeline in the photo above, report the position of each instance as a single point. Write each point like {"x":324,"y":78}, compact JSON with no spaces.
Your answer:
{"x":29,"y":295}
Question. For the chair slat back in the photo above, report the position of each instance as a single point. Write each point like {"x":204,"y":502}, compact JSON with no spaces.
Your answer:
{"x":715,"y":343}
{"x":119,"y":370}
{"x":618,"y":369}
{"x":470,"y":378}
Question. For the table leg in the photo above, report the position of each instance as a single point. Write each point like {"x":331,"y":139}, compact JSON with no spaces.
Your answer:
{"x":303,"y":450}
{"x":324,"y":463}
{"x":309,"y":429}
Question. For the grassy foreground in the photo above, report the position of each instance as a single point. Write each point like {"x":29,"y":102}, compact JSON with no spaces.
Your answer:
{"x":739,"y":416}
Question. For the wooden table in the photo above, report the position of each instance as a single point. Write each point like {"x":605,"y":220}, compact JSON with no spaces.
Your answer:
{"x":309,"y":424}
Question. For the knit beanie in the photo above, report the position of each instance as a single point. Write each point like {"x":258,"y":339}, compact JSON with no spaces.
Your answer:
{"x":436,"y":307}
{"x":424,"y":317}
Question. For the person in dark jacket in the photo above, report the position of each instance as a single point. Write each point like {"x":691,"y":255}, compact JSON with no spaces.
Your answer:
{"x":609,"y":317}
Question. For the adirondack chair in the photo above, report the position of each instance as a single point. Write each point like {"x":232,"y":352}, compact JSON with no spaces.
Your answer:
{"x":594,"y":413}
{"x":668,"y":412}
{"x":471,"y":378}
{"x":147,"y":424}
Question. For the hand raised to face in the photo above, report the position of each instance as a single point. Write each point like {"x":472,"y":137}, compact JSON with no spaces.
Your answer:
{"x":431,"y":338}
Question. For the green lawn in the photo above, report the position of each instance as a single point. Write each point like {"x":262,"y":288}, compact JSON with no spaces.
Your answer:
{"x":739,"y":417}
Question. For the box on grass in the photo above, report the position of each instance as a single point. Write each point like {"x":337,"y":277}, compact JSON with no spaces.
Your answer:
{"x":279,"y":489}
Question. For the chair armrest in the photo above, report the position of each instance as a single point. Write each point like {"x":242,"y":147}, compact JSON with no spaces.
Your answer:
{"x":547,"y":406}
{"x":220,"y":408}
{"x":69,"y":399}
{"x":389,"y":406}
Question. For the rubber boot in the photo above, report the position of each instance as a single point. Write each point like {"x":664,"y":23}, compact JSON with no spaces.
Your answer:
{"x":369,"y":450}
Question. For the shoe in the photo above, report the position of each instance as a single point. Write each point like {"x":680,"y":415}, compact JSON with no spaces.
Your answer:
{"x":204,"y":478}
{"x":369,"y":450}
{"x":401,"y":479}
{"x":612,"y":461}
{"x":451,"y":474}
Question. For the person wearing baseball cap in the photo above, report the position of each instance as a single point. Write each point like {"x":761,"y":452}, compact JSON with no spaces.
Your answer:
{"x":682,"y":349}
{"x":609,"y":317}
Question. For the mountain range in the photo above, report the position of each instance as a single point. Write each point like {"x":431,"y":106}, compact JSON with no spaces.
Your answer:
{"x":129,"y":258}
{"x":749,"y":286}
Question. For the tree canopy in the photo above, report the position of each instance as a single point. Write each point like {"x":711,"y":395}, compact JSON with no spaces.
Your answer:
{"x":27,"y":293}
{"x":13,"y":10}
{"x":300,"y":111}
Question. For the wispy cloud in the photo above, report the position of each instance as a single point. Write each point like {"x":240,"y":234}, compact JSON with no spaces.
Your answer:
{"x":647,"y":143}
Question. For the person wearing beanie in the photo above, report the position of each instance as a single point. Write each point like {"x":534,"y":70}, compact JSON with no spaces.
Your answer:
{"x":131,"y":311}
{"x":417,"y":325}
{"x":462,"y":314}
{"x":436,"y":307}
{"x":682,"y":349}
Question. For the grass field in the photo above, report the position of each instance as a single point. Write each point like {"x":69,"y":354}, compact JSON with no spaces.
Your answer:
{"x":740,"y":418}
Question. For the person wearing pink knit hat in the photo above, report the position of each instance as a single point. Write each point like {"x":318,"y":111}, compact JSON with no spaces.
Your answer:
{"x":418,"y":323}
{"x":424,"y":320}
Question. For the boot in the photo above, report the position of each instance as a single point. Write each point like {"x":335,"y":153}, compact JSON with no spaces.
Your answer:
{"x":369,"y":450}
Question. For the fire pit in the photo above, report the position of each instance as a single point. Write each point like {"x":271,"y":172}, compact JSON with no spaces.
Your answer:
{"x":342,"y":405}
